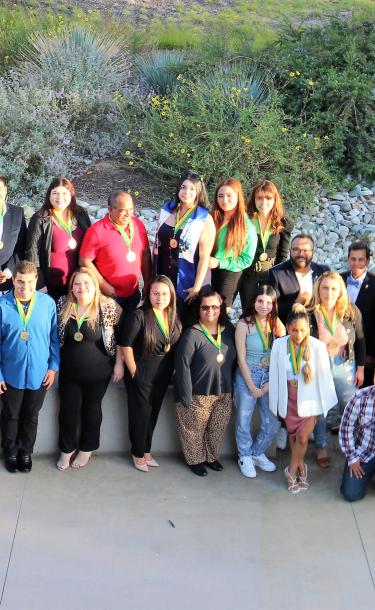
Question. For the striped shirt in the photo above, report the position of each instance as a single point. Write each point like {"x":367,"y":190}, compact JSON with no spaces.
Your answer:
{"x":357,"y":430}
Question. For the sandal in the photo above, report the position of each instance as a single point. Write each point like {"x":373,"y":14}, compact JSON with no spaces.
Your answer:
{"x":76,"y":464}
{"x":293,"y":485}
{"x":63,"y":463}
{"x":302,"y":479}
{"x":323,"y":462}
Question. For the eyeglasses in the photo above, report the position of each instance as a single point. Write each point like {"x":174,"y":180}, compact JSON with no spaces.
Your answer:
{"x":208,"y":307}
{"x":302,"y":250}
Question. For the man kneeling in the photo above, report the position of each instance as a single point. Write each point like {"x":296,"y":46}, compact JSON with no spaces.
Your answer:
{"x":357,"y":440}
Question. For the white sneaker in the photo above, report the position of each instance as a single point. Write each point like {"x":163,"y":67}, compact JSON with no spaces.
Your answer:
{"x":282,"y":438}
{"x":263,"y":463}
{"x":247,"y":467}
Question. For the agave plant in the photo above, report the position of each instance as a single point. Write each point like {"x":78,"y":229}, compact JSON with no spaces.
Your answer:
{"x":253,"y":80}
{"x":159,"y":69}
{"x":75,"y":61}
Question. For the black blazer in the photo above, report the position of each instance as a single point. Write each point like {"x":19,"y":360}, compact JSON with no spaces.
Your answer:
{"x":283,"y":278}
{"x":366,"y":305}
{"x":39,"y":241}
{"x":14,"y":240}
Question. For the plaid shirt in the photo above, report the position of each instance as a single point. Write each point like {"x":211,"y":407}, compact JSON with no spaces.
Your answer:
{"x":357,"y":430}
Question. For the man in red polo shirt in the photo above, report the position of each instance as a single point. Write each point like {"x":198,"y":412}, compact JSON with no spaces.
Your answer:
{"x":116,"y":248}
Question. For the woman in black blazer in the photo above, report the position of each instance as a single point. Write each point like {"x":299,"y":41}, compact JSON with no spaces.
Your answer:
{"x":54,"y":237}
{"x":12,"y":237}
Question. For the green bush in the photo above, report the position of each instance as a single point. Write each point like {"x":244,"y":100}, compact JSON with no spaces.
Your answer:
{"x":159,"y":69}
{"x":327,"y":76}
{"x":219,"y":130}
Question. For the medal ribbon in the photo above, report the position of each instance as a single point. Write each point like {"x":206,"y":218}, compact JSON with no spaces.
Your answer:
{"x":127,"y":239}
{"x":295,"y":360}
{"x":79,"y":320}
{"x":331,"y":327}
{"x":25,"y":317}
{"x":264,"y":336}
{"x":68,"y":227}
{"x":264,"y":237}
{"x":162,"y":322}
{"x":215,"y":342}
{"x":180,"y":222}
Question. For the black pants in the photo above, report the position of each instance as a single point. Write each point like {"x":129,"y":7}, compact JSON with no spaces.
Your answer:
{"x":19,"y":419}
{"x":80,"y":407}
{"x":145,"y":397}
{"x":129,"y":304}
{"x":225,"y":283}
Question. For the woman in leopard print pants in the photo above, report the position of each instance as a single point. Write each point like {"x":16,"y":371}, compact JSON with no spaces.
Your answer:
{"x":204,"y":361}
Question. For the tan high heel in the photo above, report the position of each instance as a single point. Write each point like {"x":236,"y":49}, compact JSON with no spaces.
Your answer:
{"x":141,"y":467}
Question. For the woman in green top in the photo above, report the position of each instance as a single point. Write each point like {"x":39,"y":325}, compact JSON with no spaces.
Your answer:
{"x":236,"y":239}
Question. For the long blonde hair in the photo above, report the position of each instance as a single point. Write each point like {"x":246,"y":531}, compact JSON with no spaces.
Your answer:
{"x":343,"y":306}
{"x":94,"y":307}
{"x":299,"y":312}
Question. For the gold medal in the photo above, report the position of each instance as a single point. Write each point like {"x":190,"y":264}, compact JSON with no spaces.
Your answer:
{"x":263,"y":257}
{"x":78,"y":336}
{"x":167,"y":347}
{"x":72,"y":243}
{"x":1,"y":245}
{"x":294,"y":383}
{"x":24,"y":335}
{"x":265,"y":361}
{"x":131,"y":256}
{"x":173,"y":243}
{"x":220,"y":357}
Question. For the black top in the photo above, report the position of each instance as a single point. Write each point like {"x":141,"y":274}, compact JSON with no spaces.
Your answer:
{"x":366,"y":304}
{"x":86,"y":360}
{"x":167,"y":256}
{"x":356,"y":341}
{"x":39,"y":241}
{"x":277,"y":249}
{"x":14,"y":241}
{"x":131,"y":334}
{"x":197,"y":371}
{"x":283,"y":278}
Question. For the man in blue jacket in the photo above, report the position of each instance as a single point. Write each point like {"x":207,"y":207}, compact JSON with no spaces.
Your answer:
{"x":29,"y":360}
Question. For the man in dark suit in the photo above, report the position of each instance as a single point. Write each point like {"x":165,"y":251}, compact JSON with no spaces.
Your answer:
{"x":12,"y":238}
{"x":294,"y":279}
{"x":360,"y":285}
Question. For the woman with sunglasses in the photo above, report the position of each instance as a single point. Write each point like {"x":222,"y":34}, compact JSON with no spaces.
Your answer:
{"x":204,"y":362}
{"x":185,"y":238}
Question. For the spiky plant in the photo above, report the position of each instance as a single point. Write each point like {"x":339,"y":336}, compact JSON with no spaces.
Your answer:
{"x":159,"y":69}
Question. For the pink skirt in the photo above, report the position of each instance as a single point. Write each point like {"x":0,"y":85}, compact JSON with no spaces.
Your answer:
{"x":293,"y":421}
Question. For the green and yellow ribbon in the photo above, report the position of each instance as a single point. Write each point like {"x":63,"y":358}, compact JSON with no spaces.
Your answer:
{"x":264,"y":336}
{"x":330,"y":325}
{"x":79,"y":319}
{"x":25,"y":317}
{"x":264,"y":237}
{"x":67,"y":226}
{"x":162,"y":322}
{"x":127,"y":238}
{"x":215,"y":342}
{"x":295,"y":360}
{"x":180,"y":222}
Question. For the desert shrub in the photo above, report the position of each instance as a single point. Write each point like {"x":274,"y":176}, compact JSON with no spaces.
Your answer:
{"x":327,"y":76}
{"x":159,"y":69}
{"x":218,"y":129}
{"x":59,"y":109}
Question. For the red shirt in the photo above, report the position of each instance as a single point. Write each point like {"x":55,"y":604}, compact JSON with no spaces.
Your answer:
{"x":104,"y":245}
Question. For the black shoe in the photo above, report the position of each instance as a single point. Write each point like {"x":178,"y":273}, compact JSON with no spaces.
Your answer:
{"x":24,"y":462}
{"x":215,"y":465}
{"x":198,"y":469}
{"x":11,"y":463}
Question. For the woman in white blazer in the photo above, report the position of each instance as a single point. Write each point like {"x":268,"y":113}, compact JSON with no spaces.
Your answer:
{"x":301,"y":388}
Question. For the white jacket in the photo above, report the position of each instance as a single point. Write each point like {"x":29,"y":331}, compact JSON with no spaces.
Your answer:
{"x":314,"y":398}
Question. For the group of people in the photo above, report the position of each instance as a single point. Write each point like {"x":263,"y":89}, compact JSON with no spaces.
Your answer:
{"x":300,"y":351}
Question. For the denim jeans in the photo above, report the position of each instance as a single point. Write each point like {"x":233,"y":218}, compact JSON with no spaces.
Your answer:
{"x":245,"y":404}
{"x":320,"y":432}
{"x":355,"y":489}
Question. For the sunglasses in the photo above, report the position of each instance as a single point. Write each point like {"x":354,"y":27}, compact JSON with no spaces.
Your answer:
{"x":208,"y":307}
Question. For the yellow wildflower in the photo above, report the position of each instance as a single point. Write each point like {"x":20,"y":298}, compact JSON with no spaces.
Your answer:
{"x":292,"y":74}
{"x":310,"y":82}
{"x":139,"y":144}
{"x":127,"y":152}
{"x":136,"y":193}
{"x":284,"y":129}
{"x":131,"y":163}
{"x":297,"y":147}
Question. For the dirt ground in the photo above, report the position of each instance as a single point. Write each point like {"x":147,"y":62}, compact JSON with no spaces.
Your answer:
{"x":106,"y":176}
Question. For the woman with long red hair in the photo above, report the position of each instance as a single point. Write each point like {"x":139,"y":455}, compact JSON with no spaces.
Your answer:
{"x":235,"y":241}
{"x":266,"y":213}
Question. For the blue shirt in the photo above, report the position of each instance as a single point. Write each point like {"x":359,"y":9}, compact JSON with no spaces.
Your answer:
{"x":23,"y":364}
